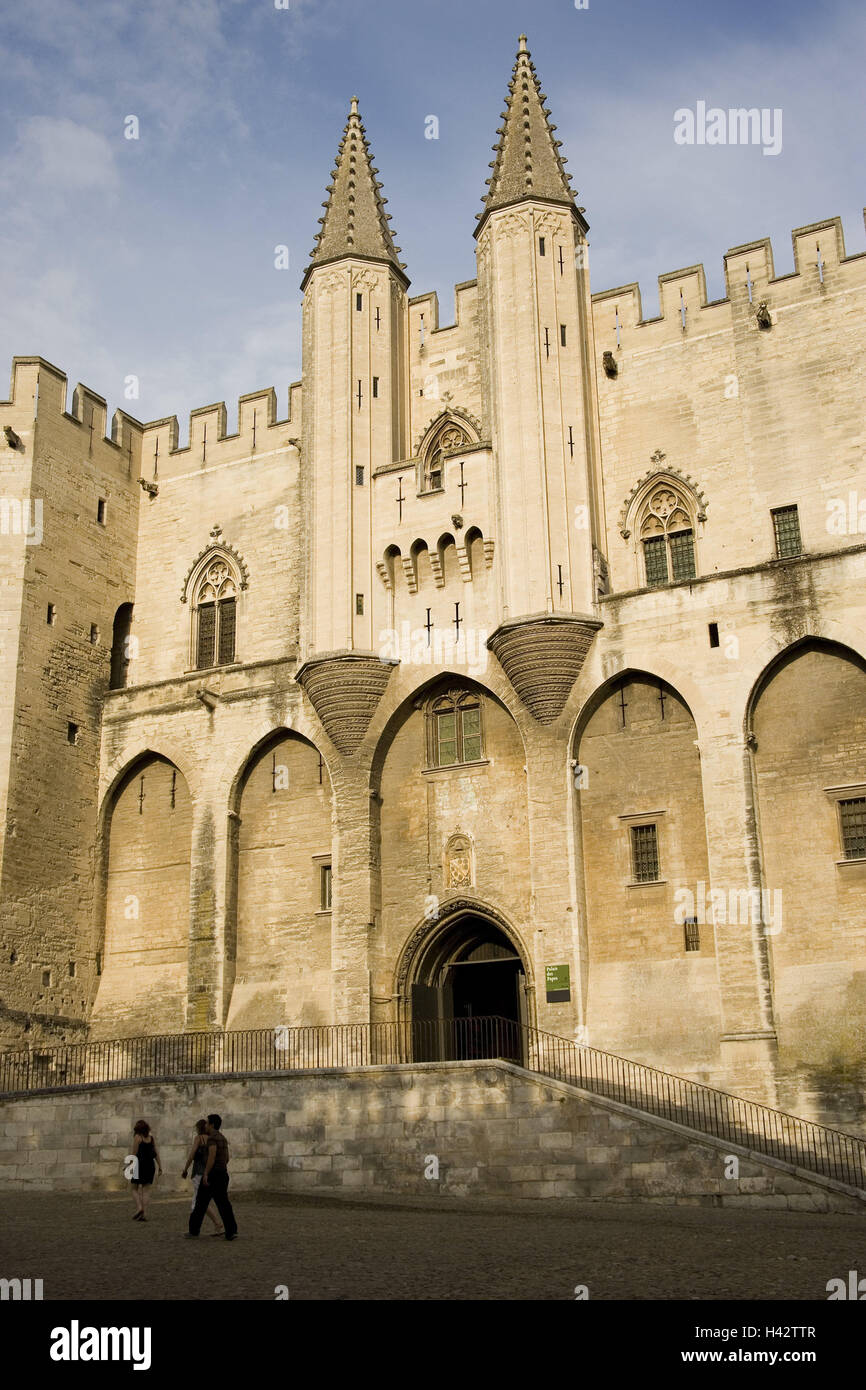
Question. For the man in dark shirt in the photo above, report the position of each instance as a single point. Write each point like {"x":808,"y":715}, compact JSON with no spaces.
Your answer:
{"x":215,"y":1182}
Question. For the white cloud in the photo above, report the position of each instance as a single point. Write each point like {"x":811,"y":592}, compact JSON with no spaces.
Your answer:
{"x":58,"y":155}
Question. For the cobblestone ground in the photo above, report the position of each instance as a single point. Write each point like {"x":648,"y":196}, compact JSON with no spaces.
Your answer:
{"x":87,"y":1247}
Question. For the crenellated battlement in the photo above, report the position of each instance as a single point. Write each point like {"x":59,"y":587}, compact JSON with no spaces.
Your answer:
{"x":428,"y":306}
{"x":209,"y":444}
{"x":821,"y":266}
{"x":40,"y":391}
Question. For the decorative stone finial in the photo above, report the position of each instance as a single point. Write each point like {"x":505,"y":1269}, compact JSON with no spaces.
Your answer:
{"x":354,"y":107}
{"x":522,"y":41}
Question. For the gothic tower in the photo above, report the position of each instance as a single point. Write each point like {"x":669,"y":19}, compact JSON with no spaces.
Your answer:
{"x":533,"y":286}
{"x":355,"y":407}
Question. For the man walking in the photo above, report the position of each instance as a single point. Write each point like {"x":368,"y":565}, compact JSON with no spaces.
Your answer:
{"x":214,"y":1183}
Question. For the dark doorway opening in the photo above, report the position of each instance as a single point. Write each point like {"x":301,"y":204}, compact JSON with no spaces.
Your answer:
{"x":468,"y":1000}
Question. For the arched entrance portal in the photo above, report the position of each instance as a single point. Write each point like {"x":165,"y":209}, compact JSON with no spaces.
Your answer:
{"x":467,"y":996}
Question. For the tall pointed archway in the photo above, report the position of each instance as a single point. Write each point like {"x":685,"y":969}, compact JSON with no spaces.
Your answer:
{"x":463,"y":980}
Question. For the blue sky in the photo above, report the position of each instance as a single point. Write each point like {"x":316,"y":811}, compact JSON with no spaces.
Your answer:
{"x":155,"y":257}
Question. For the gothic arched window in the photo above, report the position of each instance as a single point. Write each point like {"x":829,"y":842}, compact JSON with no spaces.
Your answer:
{"x":450,"y":438}
{"x":667,"y":535}
{"x":454,"y":729}
{"x":214,"y":615}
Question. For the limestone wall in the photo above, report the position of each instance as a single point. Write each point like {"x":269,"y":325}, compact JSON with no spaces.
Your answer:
{"x":483,"y":1128}
{"x":79,"y":570}
{"x":759,"y":418}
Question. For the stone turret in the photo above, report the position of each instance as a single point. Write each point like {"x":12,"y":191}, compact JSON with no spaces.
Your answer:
{"x":354,"y":422}
{"x":540,"y":382}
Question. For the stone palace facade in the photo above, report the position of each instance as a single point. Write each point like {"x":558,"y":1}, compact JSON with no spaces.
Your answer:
{"x":514,"y":666}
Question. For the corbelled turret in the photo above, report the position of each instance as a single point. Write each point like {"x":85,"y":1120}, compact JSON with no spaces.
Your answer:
{"x":355,"y":390}
{"x":533,"y":288}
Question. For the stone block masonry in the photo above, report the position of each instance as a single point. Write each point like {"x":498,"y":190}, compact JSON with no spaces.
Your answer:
{"x":373,"y":1131}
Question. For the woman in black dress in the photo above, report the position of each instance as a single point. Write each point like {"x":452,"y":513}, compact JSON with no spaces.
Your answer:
{"x":144,"y":1151}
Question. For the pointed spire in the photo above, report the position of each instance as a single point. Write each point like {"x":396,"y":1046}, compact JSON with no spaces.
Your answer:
{"x":355,"y":220}
{"x":528,"y":163}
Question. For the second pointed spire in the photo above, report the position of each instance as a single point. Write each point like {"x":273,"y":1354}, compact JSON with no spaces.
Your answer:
{"x":528,"y":163}
{"x":355,"y":220}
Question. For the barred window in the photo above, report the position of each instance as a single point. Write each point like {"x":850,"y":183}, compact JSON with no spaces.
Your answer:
{"x":455,"y":729}
{"x":692,"y":934}
{"x":656,"y":558}
{"x":215,"y":616}
{"x":644,"y":853}
{"x":682,"y":545}
{"x":852,"y":815}
{"x":786,"y":526}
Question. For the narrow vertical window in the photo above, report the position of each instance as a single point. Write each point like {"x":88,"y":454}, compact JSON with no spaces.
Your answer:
{"x":644,"y":853}
{"x":786,"y":527}
{"x":359,"y":300}
{"x":100,"y":511}
{"x":562,"y":334}
{"x":50,"y":614}
{"x":226,"y":614}
{"x":375,"y":387}
{"x":206,"y":635}
{"x":682,"y":545}
{"x":325,"y":887}
{"x":655,"y":557}
{"x":714,"y":634}
{"x":359,"y":475}
{"x":72,"y":732}
{"x":692,"y":934}
{"x":359,"y":603}
{"x":541,"y":247}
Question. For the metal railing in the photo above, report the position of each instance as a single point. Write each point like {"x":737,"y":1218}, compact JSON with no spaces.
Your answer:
{"x":811,"y":1146}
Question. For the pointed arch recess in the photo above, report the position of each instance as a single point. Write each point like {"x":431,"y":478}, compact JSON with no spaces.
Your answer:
{"x":427,"y":932}
{"x":680,"y":483}
{"x":215,"y":549}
